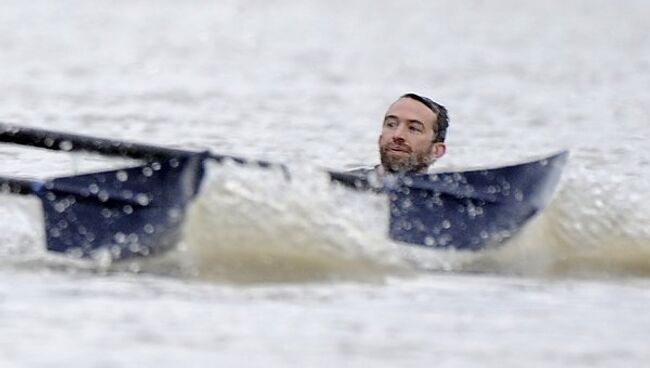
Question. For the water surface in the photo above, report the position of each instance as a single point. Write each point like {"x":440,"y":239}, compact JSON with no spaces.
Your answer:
{"x":301,"y":273}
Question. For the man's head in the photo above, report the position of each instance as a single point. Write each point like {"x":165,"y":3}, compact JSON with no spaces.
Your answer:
{"x":413,"y":134}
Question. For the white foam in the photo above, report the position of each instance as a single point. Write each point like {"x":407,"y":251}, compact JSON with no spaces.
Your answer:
{"x":21,"y":226}
{"x":592,"y":228}
{"x":253,"y":224}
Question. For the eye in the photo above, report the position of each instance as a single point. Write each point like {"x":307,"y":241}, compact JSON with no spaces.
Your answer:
{"x":390,"y":123}
{"x":415,"y":128}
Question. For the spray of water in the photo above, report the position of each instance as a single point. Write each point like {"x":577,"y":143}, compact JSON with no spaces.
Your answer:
{"x":22,"y":239}
{"x":593,"y":228}
{"x":20,"y":235}
{"x":254,"y":225}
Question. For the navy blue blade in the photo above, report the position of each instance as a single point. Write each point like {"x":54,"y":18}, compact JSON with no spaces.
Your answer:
{"x":466,"y":210}
{"x":133,"y":211}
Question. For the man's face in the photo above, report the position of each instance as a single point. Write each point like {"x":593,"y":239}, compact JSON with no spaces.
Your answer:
{"x":406,"y":140}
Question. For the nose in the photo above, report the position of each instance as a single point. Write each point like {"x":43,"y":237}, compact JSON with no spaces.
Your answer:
{"x":399,"y":133}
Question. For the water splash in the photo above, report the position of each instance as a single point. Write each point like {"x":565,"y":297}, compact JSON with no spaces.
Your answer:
{"x":22,"y":239}
{"x":254,"y":225}
{"x":20,"y":234}
{"x":594,"y":227}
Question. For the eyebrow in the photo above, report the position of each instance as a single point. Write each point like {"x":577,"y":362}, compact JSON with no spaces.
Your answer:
{"x":397,"y":117}
{"x":413,"y":121}
{"x":410,"y":121}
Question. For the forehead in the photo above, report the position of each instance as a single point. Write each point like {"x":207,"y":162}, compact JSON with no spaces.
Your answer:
{"x":410,"y":109}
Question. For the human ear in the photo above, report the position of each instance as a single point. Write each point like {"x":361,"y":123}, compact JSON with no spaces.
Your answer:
{"x":438,"y":150}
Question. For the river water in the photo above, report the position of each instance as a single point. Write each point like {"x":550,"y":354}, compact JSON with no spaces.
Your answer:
{"x":301,"y":274}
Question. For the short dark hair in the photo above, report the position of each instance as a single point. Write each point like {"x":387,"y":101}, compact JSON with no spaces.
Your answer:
{"x":438,"y":109}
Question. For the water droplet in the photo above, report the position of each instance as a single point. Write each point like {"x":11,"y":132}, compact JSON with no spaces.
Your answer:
{"x":66,"y":146}
{"x":103,"y":195}
{"x":60,"y":207}
{"x":55,"y":233}
{"x":174,"y":214}
{"x":119,"y":237}
{"x":147,"y":171}
{"x":444,"y":240}
{"x":142,"y":199}
{"x":127,"y":209}
{"x":519,"y":196}
{"x":148,"y":228}
{"x":134,"y":247}
{"x":122,"y":176}
{"x":93,"y":188}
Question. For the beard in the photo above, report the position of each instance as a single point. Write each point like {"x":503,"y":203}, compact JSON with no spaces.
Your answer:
{"x":414,"y":162}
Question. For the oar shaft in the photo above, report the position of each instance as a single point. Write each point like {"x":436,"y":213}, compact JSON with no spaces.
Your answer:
{"x":243,"y":161}
{"x":17,"y":186}
{"x":59,"y":141}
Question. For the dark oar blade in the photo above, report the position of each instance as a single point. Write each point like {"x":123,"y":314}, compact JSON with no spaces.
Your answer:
{"x":473,"y":209}
{"x":465,"y":209}
{"x":134,"y":211}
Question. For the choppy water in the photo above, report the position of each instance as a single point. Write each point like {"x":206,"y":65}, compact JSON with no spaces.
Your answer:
{"x":300,"y":273}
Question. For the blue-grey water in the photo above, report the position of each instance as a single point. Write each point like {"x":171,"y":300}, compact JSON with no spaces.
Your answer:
{"x":301,"y":274}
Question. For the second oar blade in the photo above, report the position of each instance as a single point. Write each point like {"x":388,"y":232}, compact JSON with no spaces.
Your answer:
{"x":472,"y":209}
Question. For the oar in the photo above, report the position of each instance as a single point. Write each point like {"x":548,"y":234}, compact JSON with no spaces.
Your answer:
{"x":131,"y":211}
{"x":59,"y":141}
{"x":125,"y":212}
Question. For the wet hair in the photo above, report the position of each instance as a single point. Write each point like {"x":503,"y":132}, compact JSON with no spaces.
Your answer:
{"x":443,"y":118}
